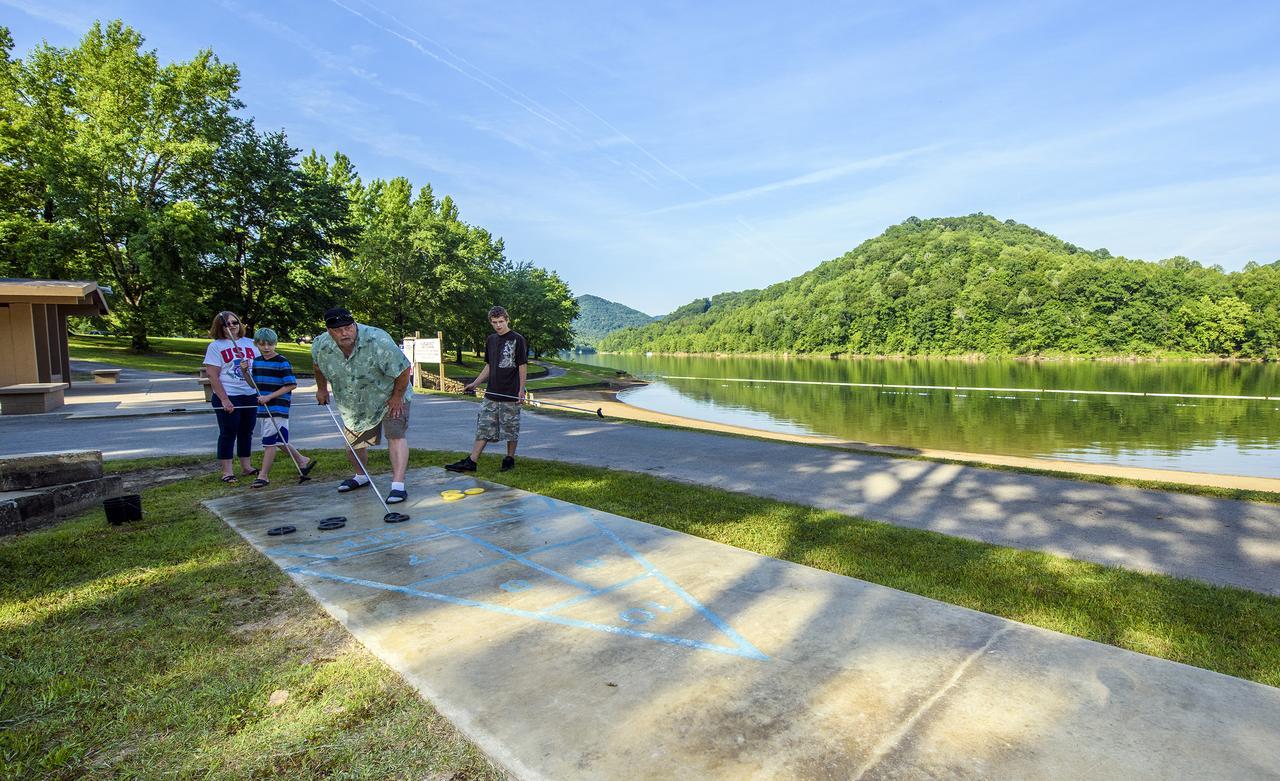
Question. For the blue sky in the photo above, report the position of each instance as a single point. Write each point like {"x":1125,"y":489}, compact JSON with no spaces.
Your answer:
{"x":655,"y":152}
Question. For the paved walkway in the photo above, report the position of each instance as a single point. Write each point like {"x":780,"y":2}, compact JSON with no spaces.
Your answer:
{"x":569,"y":643}
{"x":137,"y":392}
{"x":552,"y":370}
{"x":1215,"y":540}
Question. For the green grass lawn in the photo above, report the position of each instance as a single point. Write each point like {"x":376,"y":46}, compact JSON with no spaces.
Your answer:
{"x":577,"y":374}
{"x":186,"y":356}
{"x":168,"y":354}
{"x":470,"y":367}
{"x":1228,"y":630}
{"x":152,"y":650}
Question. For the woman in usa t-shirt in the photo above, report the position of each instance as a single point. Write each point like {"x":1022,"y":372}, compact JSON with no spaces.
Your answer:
{"x":227,"y":362}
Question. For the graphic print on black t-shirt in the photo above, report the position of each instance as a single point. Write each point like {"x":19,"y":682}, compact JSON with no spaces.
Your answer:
{"x":505,"y":354}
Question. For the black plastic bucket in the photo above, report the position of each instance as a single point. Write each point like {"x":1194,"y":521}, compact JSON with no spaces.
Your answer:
{"x":123,"y":508}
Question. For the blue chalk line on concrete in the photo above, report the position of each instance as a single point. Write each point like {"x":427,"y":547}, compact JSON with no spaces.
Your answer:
{"x":390,"y":539}
{"x":750,"y":653}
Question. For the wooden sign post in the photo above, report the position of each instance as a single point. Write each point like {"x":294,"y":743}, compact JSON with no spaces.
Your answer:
{"x":420,"y":350}
{"x":440,"y":355}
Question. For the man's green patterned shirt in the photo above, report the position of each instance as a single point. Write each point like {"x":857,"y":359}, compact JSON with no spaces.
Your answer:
{"x":362,"y":384}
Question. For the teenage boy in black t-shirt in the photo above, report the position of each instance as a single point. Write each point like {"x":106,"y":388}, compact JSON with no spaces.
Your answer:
{"x":506,"y":366}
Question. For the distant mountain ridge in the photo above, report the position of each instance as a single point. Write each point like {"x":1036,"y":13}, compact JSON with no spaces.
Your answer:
{"x":598,"y":317}
{"x":958,"y":285}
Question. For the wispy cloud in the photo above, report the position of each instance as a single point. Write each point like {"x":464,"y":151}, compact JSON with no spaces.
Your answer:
{"x":1216,"y":219}
{"x":77,"y":20}
{"x":963,"y":173}
{"x":481,"y":79}
{"x":471,"y":70}
{"x":652,"y":154}
{"x":813,"y":177}
{"x":345,"y":64}
{"x":359,"y":122}
{"x":460,"y":65}
{"x":629,"y":140}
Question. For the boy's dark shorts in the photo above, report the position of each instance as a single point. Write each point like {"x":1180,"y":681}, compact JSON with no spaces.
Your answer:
{"x":498,"y":421}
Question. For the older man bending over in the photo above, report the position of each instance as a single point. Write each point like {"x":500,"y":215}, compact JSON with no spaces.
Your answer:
{"x":369,"y":375}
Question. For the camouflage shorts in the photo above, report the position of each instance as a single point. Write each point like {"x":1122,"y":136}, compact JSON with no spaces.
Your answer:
{"x":498,"y":421}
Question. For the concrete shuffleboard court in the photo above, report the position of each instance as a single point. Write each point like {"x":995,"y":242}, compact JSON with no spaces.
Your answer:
{"x":569,"y":643}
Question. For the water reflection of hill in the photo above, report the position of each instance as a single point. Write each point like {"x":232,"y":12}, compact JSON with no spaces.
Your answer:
{"x":1243,"y":379}
{"x":1231,"y":436}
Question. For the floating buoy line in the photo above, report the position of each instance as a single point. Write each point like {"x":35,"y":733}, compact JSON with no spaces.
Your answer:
{"x":971,"y":388}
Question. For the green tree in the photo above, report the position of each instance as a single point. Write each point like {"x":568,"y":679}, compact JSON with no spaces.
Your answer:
{"x":388,"y":276}
{"x":341,"y":174}
{"x":598,"y":316}
{"x":1211,"y":326}
{"x":541,"y":306}
{"x":276,"y":228}
{"x":467,"y":264}
{"x":119,"y":145}
{"x":1259,"y":288}
{"x":975,"y":284}
{"x":38,"y":238}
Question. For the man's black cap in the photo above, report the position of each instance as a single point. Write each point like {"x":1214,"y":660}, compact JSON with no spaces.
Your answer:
{"x":337,"y":318}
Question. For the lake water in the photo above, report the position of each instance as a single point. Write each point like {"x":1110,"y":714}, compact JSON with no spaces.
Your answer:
{"x":1019,"y":414}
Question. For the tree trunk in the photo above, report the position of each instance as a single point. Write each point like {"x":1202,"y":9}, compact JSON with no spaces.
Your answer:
{"x":138,"y":335}
{"x":135,"y":324}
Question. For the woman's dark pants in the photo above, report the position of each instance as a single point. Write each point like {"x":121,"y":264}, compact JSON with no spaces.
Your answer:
{"x":236,"y":427}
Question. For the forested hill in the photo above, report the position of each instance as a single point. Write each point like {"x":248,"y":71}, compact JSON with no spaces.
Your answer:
{"x":599,"y":316}
{"x":974,"y":284}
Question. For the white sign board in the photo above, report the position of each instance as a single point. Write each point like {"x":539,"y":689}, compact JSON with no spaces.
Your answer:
{"x":428,"y":350}
{"x":408,"y":347}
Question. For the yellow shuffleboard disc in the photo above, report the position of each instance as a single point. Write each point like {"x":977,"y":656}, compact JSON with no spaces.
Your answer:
{"x":473,"y":491}
{"x":452,"y":497}
{"x":451,"y":492}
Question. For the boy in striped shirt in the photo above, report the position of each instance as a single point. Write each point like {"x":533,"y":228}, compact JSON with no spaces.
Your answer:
{"x":273,"y":375}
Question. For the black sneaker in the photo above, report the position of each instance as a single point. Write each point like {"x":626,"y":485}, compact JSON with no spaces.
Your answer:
{"x":465,"y":465}
{"x":508,"y":463}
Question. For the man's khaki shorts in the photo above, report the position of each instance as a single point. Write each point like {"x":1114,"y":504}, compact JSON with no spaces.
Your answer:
{"x":396,"y":429}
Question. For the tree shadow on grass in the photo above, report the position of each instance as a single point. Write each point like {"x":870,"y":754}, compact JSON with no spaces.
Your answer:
{"x":152,"y":649}
{"x":1232,"y":631}
{"x":857,"y":679}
